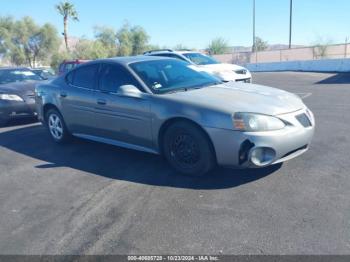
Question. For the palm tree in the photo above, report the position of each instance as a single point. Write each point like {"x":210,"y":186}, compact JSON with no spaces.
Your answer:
{"x":67,"y":10}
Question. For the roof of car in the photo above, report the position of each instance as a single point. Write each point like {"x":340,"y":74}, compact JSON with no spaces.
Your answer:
{"x":130,"y":59}
{"x":167,"y":51}
{"x":188,"y":52}
{"x":41,"y":68}
{"x":70,"y":61}
{"x":14,"y":68}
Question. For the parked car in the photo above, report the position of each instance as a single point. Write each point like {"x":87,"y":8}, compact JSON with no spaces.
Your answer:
{"x":161,"y":106}
{"x":17,"y":93}
{"x":205,"y":63}
{"x":67,"y":65}
{"x":44,"y":72}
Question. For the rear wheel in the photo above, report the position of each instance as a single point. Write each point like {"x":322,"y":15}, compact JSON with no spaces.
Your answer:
{"x":56,"y":126}
{"x":188,"y":149}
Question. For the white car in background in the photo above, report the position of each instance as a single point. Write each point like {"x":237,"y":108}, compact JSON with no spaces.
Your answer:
{"x":205,"y":63}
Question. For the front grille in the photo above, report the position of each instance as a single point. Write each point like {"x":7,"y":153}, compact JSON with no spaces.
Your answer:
{"x":241,"y":71}
{"x":245,"y":80}
{"x":304,"y":120}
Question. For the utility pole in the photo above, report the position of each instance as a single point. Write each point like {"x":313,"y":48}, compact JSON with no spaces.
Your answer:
{"x":254,"y":38}
{"x":290,"y":23}
{"x":346,"y":47}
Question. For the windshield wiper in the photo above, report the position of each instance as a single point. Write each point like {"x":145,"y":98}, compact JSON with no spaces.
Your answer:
{"x":177,"y":90}
{"x":185,"y":89}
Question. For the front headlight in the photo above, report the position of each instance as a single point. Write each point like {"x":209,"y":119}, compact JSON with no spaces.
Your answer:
{"x":11,"y":97}
{"x":251,"y":122}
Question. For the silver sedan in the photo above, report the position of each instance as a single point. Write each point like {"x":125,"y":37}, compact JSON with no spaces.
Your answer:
{"x":161,"y":106}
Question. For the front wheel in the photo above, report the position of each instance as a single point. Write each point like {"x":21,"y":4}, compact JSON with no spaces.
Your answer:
{"x":56,"y":126}
{"x":188,"y":150}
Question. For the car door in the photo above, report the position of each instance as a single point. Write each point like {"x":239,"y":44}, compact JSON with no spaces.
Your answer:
{"x":78,"y":99}
{"x":121,"y":117}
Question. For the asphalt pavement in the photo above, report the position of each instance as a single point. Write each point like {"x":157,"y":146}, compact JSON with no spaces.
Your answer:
{"x":90,"y":198}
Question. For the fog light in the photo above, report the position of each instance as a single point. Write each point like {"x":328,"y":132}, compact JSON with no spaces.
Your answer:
{"x":262,"y":156}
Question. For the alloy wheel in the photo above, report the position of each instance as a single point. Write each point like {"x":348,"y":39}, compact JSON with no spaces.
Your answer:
{"x":55,"y":126}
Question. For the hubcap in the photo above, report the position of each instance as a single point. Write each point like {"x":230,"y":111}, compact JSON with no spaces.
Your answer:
{"x":184,"y":150}
{"x":55,"y":126}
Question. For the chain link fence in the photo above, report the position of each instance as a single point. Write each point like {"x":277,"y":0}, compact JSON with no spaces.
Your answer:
{"x":338,"y":51}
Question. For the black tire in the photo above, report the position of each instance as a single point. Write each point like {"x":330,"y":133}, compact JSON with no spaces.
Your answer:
{"x":59,"y":137}
{"x":187,"y":149}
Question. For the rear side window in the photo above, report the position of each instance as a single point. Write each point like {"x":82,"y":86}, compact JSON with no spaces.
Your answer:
{"x":84,"y":76}
{"x":70,"y":77}
{"x":69,"y":67}
{"x":61,"y":68}
{"x":113,"y":76}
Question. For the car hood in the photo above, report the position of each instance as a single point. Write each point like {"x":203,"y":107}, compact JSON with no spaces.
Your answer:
{"x":19,"y":88}
{"x":239,"y":97}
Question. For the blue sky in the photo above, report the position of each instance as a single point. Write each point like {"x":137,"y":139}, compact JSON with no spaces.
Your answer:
{"x":195,"y":22}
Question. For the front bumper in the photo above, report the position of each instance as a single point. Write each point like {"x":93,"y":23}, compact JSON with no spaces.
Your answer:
{"x":229,"y":77}
{"x":17,"y":109}
{"x":244,"y":80}
{"x":235,"y":148}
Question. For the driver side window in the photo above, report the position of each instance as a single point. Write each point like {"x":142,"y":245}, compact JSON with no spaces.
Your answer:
{"x":112,"y":76}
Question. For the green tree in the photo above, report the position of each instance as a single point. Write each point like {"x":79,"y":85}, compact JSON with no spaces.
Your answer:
{"x":58,"y":57}
{"x":124,"y":40}
{"x":108,"y":37}
{"x":90,"y":49}
{"x":25,"y":42}
{"x":139,"y":39}
{"x":132,"y":40}
{"x":260,"y":44}
{"x":8,"y":50}
{"x":150,"y":47}
{"x":42,"y":43}
{"x":67,"y":11}
{"x":218,"y":46}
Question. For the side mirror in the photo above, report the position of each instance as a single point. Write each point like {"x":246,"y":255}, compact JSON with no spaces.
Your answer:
{"x":129,"y":91}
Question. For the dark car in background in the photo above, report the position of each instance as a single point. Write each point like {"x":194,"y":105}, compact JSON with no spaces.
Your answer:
{"x":17,"y":93}
{"x":67,"y":65}
{"x":44,"y":72}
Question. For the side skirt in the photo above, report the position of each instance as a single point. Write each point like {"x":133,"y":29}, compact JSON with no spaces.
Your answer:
{"x":116,"y":143}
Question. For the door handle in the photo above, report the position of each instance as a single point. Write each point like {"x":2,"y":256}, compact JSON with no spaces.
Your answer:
{"x":101,"y":101}
{"x":63,"y":94}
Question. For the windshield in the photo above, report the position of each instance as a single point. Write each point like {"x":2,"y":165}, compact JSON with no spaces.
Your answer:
{"x":44,"y":73}
{"x":164,"y":76}
{"x":200,"y":59}
{"x":17,"y":75}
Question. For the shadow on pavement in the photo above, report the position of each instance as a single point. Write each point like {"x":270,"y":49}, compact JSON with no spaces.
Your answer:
{"x":340,"y":78}
{"x":19,"y":122}
{"x":118,"y":163}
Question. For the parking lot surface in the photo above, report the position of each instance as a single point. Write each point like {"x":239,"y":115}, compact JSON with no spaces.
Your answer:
{"x":90,"y":198}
